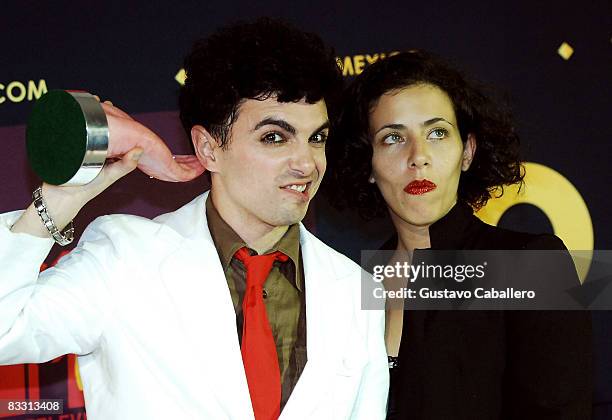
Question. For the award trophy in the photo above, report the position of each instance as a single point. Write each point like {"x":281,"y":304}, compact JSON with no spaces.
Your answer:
{"x":70,"y":135}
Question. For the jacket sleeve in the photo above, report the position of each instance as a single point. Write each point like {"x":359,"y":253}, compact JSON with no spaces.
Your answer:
{"x":549,"y":371}
{"x":59,"y":311}
{"x":374,"y":389}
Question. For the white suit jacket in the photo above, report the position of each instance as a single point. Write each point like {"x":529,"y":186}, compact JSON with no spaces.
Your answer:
{"x":146,"y":307}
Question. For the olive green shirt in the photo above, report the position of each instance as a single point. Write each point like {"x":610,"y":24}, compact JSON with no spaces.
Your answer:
{"x":283,"y":294}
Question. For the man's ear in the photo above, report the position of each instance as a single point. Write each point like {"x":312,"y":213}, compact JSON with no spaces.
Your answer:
{"x":469,"y":149}
{"x":206,"y":147}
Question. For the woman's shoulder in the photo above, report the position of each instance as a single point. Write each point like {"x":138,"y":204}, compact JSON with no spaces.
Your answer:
{"x":486,"y":236}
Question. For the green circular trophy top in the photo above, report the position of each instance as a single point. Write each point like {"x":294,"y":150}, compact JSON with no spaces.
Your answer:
{"x":59,"y":137}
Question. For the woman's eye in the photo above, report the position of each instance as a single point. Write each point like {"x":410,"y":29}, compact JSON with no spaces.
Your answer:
{"x":272,"y":138}
{"x":392,"y":138}
{"x":437,"y":134}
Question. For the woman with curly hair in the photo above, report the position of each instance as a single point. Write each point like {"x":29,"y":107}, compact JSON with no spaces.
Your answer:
{"x":418,"y":141}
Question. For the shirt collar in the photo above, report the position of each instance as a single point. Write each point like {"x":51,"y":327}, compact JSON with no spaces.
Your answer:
{"x":228,"y":242}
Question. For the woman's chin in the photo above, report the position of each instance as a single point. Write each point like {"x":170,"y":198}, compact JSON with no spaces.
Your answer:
{"x":416,"y":216}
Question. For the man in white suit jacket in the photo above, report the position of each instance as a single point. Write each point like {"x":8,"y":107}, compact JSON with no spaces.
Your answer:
{"x":146,"y":304}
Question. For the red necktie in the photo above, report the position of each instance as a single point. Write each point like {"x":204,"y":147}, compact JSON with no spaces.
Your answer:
{"x":258,"y":348}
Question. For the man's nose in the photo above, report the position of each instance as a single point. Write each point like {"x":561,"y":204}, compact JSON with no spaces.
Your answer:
{"x":303,"y":160}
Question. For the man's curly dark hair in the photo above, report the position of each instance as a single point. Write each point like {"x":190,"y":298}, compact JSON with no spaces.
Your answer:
{"x":496,"y":162}
{"x":254,"y":60}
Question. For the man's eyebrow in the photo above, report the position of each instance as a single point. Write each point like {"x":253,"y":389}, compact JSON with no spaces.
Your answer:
{"x":435,"y":120}
{"x":322,"y":127}
{"x":278,"y":122}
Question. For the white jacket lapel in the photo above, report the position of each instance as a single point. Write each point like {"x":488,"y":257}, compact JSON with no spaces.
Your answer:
{"x":321,"y":327}
{"x":195,"y":281}
{"x":194,"y":278}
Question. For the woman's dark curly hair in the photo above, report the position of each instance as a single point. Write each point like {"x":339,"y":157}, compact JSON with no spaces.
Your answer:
{"x":254,"y":60}
{"x":496,"y":162}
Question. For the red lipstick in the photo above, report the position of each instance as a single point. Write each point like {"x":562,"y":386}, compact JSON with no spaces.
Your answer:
{"x":420,"y":187}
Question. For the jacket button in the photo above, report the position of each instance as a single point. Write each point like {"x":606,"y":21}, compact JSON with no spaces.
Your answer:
{"x":265,"y":294}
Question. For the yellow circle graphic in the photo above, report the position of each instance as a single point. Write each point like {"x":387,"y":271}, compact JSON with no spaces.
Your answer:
{"x":555,"y":195}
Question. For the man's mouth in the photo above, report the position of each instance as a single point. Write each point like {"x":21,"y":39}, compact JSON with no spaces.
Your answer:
{"x":297,"y":187}
{"x":299,"y":190}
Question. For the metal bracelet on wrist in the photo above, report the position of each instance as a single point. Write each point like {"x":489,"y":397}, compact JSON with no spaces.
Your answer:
{"x":60,"y":238}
